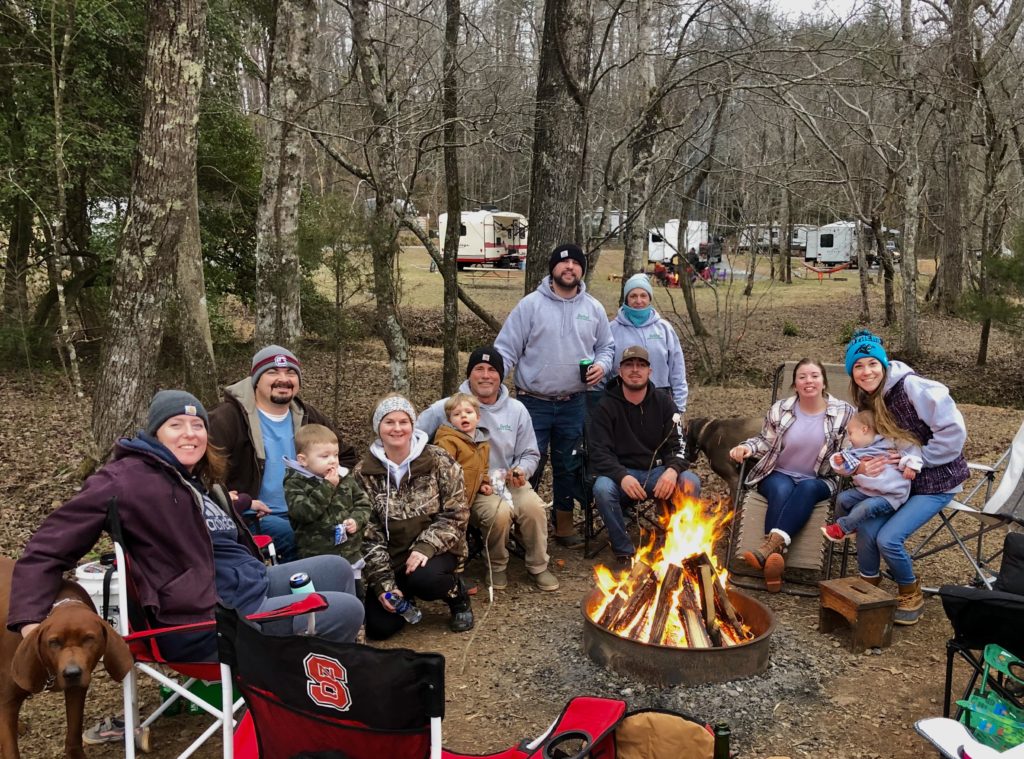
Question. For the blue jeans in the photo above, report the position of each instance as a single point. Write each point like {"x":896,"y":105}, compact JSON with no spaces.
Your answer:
{"x":609,"y":499}
{"x":790,"y":502}
{"x":279,"y":527}
{"x":885,"y":537}
{"x":560,"y":424}
{"x":333,"y":579}
{"x":853,"y":508}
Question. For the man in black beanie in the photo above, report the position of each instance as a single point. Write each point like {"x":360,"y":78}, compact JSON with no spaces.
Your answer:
{"x":514,"y":451}
{"x":558,"y":340}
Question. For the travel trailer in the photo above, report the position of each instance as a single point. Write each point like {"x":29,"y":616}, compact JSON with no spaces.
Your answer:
{"x":661,"y":241}
{"x":491,"y":238}
{"x":832,"y":244}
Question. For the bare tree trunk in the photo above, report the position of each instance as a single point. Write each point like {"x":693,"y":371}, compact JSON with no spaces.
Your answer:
{"x":163,"y":179}
{"x":278,"y":275}
{"x":560,"y":128}
{"x":911,"y":179}
{"x":864,"y":274}
{"x":642,"y":149}
{"x":886,"y":270}
{"x":452,"y":134}
{"x":191,"y":323}
{"x":382,"y":149}
{"x":19,"y":243}
{"x":58,"y":68}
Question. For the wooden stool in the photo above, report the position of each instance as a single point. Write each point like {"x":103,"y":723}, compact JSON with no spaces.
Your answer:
{"x":867,"y":610}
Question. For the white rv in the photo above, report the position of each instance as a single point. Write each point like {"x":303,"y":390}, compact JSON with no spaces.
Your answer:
{"x":494,"y":238}
{"x":833,"y":244}
{"x":799,"y":238}
{"x":661,"y":241}
{"x":762,"y":236}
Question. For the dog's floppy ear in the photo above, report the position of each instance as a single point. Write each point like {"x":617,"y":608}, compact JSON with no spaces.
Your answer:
{"x":117,"y":658}
{"x":27,"y":667}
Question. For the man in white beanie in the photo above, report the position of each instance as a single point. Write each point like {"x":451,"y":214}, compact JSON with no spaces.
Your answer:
{"x":255,"y":426}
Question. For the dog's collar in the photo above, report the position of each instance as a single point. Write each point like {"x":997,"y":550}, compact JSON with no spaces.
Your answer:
{"x":704,"y":427}
{"x":63,"y":601}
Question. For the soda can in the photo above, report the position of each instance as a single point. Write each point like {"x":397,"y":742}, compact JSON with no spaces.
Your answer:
{"x":301,"y":584}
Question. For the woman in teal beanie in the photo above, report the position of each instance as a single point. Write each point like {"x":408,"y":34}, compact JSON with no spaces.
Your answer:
{"x":905,"y":403}
{"x":637,"y":323}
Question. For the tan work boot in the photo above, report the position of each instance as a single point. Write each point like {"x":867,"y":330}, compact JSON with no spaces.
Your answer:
{"x":565,"y":530}
{"x":876,"y":581}
{"x":909,"y":604}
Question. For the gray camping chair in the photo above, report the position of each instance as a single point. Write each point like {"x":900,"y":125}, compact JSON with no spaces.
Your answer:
{"x":1002,"y":507}
{"x":810,"y":550}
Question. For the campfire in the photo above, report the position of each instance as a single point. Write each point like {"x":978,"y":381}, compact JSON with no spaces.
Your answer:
{"x":675,"y":593}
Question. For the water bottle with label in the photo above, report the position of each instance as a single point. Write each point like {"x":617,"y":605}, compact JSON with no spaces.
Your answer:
{"x":405,"y":607}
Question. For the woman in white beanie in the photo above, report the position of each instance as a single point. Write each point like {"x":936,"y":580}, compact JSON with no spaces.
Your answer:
{"x":417,"y":529}
{"x":637,"y":323}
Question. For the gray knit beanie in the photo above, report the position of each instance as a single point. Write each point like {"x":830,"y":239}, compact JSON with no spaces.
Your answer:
{"x":168,"y":403}
{"x":273,"y":357}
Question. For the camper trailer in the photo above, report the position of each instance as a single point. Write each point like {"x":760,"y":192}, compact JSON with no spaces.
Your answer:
{"x":661,"y":241}
{"x":492,"y":238}
{"x":764,"y":237}
{"x":832,"y":244}
{"x":799,"y":239}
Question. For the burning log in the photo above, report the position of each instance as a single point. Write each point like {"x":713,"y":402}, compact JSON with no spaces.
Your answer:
{"x":663,"y":604}
{"x":691,"y":618}
{"x":701,"y":568}
{"x":622,"y":610}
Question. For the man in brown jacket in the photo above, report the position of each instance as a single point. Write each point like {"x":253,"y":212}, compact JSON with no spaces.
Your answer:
{"x":255,"y":426}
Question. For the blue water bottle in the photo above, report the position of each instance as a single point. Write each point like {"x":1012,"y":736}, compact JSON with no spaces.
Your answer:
{"x":405,"y":607}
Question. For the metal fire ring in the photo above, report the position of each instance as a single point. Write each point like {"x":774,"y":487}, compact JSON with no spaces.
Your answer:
{"x":671,"y":665}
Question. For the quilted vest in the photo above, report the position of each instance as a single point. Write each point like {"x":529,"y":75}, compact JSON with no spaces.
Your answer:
{"x":933,"y":479}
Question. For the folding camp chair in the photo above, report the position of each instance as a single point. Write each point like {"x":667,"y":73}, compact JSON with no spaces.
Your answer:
{"x":980,"y":617}
{"x":807,"y":551}
{"x":306,"y":695}
{"x":1002,"y":507}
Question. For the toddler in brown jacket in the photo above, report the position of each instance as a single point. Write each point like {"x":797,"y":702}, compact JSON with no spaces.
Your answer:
{"x":466,"y":443}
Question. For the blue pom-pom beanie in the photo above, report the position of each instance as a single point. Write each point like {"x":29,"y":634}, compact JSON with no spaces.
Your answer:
{"x":865,"y":344}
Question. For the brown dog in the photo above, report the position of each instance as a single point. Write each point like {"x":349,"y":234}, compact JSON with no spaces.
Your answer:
{"x":61,"y":653}
{"x":716,"y":437}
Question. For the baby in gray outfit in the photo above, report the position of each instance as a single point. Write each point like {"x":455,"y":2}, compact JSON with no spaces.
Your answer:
{"x":875,"y":496}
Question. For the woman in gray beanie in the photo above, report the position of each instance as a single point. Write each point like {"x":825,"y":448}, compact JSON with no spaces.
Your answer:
{"x":188,"y":546}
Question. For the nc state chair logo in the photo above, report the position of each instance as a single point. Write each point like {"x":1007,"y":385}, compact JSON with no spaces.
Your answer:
{"x":327,"y":684}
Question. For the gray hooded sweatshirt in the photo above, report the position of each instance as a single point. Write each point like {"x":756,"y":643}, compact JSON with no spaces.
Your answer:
{"x":546,"y":336}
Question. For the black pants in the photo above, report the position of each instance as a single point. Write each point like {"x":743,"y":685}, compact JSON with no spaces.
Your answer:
{"x":434,"y":581}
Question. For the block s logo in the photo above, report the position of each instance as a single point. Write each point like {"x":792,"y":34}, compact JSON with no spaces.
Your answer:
{"x":327,"y":682}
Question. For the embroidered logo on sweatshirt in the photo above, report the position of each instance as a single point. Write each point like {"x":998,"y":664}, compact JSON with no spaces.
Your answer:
{"x":583,"y":317}
{"x":505,"y":427}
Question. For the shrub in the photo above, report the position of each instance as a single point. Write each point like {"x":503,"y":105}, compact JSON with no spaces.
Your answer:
{"x":789,"y":329}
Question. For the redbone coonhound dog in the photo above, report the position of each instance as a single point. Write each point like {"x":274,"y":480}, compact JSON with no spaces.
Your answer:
{"x":715,"y":437}
{"x":61,"y":653}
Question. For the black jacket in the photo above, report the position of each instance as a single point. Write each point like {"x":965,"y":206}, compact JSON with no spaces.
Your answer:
{"x":637,"y":436}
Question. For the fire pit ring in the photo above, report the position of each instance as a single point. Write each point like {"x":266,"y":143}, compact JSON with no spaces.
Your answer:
{"x":671,"y":665}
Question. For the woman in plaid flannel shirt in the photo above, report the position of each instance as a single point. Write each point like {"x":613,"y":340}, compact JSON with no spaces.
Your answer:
{"x":800,"y":433}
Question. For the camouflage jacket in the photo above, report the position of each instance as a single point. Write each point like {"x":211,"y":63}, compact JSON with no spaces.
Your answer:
{"x":426,"y":513}
{"x":315,"y":506}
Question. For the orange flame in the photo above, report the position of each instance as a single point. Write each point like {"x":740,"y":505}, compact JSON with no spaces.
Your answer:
{"x":691,"y":527}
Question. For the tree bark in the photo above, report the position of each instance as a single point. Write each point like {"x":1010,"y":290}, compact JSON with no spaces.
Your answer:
{"x":911,"y":179}
{"x":163,"y":179}
{"x":559,"y":135}
{"x":278,"y":275}
{"x":382,"y":150}
{"x":450,"y":375}
{"x":192,"y":319}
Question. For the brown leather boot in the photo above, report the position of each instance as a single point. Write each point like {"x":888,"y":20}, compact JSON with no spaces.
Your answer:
{"x":774,"y":563}
{"x":876,"y":581}
{"x":565,"y":530}
{"x":771,"y":543}
{"x":909,"y":604}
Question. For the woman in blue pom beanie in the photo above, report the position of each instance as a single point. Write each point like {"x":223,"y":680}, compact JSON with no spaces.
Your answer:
{"x":904,"y":402}
{"x":637,"y":323}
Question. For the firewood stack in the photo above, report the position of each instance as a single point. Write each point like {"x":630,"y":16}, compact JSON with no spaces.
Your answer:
{"x":691,"y":589}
